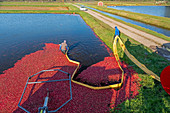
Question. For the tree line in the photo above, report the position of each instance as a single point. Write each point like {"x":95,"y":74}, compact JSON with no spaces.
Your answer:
{"x":83,"y":0}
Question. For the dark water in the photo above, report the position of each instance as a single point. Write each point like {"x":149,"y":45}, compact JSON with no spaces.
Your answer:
{"x":22,"y":34}
{"x":147,"y":26}
{"x":163,"y":11}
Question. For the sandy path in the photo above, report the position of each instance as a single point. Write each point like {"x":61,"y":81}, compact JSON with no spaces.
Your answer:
{"x":140,"y":36}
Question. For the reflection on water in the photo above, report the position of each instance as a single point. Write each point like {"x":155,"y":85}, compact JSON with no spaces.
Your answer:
{"x":147,"y":26}
{"x":167,"y":11}
{"x":163,"y":11}
{"x":22,"y":34}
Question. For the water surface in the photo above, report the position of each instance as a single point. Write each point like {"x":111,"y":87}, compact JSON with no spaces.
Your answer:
{"x":163,"y":11}
{"x":22,"y":34}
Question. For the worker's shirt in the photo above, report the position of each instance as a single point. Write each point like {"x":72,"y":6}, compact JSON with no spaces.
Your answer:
{"x":117,"y":32}
{"x":63,"y":46}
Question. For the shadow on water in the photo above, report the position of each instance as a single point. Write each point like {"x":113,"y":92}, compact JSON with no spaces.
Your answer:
{"x":74,"y":45}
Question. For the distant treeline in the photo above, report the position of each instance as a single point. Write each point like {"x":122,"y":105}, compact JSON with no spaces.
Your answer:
{"x":41,"y":0}
{"x":85,"y":0}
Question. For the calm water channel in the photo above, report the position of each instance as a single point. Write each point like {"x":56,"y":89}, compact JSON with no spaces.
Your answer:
{"x":163,"y":11}
{"x":147,"y":26}
{"x":22,"y":34}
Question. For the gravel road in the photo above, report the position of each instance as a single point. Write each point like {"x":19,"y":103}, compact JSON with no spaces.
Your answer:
{"x":144,"y":38}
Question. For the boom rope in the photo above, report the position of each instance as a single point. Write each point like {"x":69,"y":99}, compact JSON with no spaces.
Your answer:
{"x":118,"y":85}
{"x":132,"y":58}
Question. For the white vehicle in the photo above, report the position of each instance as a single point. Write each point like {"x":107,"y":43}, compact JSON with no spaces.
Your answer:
{"x":82,"y":8}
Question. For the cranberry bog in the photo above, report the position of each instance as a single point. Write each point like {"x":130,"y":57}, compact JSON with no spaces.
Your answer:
{"x":147,"y":97}
{"x":13,"y":79}
{"x":84,"y":99}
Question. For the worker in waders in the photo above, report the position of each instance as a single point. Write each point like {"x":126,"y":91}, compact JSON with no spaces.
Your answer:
{"x":63,"y":47}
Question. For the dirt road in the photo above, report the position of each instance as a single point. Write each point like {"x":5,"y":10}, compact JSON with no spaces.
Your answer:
{"x":140,"y":36}
{"x":148,"y":40}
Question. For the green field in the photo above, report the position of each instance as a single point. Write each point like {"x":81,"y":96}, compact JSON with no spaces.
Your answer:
{"x":152,"y":97}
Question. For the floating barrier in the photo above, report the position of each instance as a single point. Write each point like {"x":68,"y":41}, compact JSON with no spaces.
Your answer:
{"x":118,"y":85}
{"x":132,"y":58}
{"x":115,"y":86}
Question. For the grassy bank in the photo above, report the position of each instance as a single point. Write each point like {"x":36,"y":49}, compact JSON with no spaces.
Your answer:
{"x":152,"y":97}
